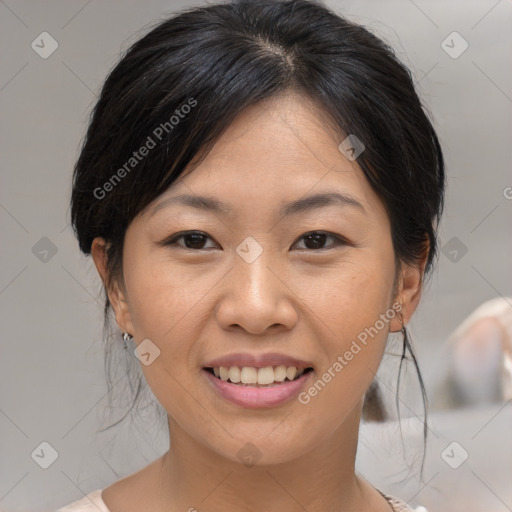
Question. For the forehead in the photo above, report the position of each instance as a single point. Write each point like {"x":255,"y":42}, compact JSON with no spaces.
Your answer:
{"x":275,"y":152}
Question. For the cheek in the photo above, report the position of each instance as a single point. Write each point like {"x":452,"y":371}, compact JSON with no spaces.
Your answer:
{"x":350,"y":298}
{"x":162,"y":296}
{"x":165,"y":310}
{"x":162,"y":310}
{"x":355,"y":312}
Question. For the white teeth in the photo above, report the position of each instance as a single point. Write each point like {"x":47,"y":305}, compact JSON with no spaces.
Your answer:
{"x":234,"y":374}
{"x":280,"y":373}
{"x":249,"y":375}
{"x":266,"y":375}
{"x":291,"y":372}
{"x":257,"y":376}
{"x":224,"y":373}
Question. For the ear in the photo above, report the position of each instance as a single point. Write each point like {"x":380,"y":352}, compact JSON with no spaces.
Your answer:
{"x":410,"y":286}
{"x":116,"y":293}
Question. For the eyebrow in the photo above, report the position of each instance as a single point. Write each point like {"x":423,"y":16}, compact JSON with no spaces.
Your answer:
{"x":298,"y":206}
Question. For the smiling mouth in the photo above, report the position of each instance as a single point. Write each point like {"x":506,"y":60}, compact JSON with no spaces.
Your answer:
{"x":268,"y":376}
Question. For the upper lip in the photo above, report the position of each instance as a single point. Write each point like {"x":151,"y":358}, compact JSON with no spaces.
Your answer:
{"x":257,"y":361}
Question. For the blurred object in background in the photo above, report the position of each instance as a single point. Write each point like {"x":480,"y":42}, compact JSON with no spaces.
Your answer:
{"x":480,"y":358}
{"x":468,"y":462}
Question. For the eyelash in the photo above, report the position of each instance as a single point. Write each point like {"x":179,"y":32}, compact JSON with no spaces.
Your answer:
{"x":174,"y":238}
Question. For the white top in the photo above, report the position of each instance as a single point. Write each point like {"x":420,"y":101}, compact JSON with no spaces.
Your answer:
{"x":93,"y":503}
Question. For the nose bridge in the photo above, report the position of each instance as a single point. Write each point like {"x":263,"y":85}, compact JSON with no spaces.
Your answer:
{"x":256,"y":280}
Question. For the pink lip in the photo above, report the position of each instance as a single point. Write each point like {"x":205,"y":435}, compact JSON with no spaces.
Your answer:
{"x":258,"y":361}
{"x":253,"y":397}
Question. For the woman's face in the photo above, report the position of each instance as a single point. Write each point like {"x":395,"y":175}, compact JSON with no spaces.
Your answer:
{"x":312,"y":282}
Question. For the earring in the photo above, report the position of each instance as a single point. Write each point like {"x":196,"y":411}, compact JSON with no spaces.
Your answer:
{"x":402,"y":326}
{"x":126,"y":338}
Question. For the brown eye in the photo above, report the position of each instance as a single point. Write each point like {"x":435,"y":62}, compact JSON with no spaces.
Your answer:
{"x":316,"y":240}
{"x":194,"y":240}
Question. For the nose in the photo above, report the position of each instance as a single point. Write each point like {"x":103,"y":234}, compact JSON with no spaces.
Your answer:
{"x":256,"y":297}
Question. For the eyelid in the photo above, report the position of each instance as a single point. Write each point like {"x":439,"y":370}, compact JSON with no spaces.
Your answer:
{"x":172,"y":239}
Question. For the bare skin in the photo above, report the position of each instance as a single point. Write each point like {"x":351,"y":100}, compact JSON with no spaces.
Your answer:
{"x":200,"y":300}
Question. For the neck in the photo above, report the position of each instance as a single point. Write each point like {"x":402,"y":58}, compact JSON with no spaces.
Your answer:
{"x":194,"y":476}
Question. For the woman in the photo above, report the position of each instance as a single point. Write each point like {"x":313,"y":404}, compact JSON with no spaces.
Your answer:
{"x":260,"y":190}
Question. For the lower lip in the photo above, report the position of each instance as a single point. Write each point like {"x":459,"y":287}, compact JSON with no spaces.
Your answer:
{"x":253,"y":397}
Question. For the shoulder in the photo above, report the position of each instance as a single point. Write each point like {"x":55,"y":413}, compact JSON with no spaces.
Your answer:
{"x":93,"y":502}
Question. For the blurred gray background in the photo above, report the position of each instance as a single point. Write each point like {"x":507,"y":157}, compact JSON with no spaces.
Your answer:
{"x":53,"y":387}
